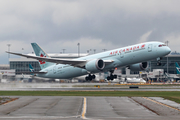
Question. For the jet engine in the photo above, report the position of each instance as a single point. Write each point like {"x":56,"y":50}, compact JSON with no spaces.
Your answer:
{"x":95,"y":65}
{"x":138,"y":66}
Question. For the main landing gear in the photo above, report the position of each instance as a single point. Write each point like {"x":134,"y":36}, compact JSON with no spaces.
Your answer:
{"x":90,"y":77}
{"x":111,"y":77}
{"x":159,"y":61}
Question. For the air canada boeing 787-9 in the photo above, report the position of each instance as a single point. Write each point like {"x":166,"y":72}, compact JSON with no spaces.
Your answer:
{"x":134,"y":57}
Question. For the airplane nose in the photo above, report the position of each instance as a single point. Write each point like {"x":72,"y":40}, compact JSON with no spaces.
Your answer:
{"x":168,"y":50}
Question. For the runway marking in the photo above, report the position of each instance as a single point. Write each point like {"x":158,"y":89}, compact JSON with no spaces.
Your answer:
{"x":161,"y":103}
{"x":84,"y":109}
{"x":13,"y":99}
{"x":36,"y":117}
{"x":20,"y":106}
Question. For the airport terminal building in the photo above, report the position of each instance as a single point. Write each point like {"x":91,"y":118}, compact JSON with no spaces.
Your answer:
{"x":167,"y":63}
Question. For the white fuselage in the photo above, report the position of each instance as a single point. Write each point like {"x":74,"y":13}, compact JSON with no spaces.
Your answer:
{"x":122,"y":57}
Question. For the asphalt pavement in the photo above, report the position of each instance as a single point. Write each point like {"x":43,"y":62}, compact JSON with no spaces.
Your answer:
{"x":93,"y":108}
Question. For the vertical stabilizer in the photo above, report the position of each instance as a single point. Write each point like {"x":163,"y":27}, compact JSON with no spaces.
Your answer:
{"x":40,"y":52}
{"x":31,"y":69}
{"x":177,"y":68}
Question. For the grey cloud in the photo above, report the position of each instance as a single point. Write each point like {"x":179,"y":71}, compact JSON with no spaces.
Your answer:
{"x":119,"y":22}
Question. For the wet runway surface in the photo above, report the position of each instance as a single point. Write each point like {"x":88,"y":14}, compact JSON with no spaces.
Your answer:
{"x":83,"y":87}
{"x":93,"y":108}
{"x":90,"y":89}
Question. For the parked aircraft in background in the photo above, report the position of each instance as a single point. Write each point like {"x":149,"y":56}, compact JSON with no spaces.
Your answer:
{"x":177,"y":69}
{"x":134,"y":56}
{"x":31,"y":69}
{"x":129,"y":80}
{"x":134,"y":80}
{"x":169,"y":78}
{"x":33,"y":76}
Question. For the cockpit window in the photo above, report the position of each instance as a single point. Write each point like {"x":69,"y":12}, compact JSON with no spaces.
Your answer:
{"x":162,"y":45}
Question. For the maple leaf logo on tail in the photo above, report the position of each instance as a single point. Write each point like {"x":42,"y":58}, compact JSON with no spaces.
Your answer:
{"x":40,"y":61}
{"x":40,"y":53}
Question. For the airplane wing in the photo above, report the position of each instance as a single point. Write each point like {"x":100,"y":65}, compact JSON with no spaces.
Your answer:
{"x":72,"y":62}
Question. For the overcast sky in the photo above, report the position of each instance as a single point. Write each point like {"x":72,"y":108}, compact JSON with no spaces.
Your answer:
{"x":95,"y":24}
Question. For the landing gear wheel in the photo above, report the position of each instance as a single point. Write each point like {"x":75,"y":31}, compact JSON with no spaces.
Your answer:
{"x":93,"y":76}
{"x":86,"y":78}
{"x":112,"y":77}
{"x":159,"y":61}
{"x":90,"y":77}
{"x":115,"y":76}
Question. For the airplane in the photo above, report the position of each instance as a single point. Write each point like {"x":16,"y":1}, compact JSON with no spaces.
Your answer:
{"x":31,"y":69}
{"x":177,"y":69}
{"x":134,"y":56}
{"x":129,"y":80}
{"x":170,"y":78}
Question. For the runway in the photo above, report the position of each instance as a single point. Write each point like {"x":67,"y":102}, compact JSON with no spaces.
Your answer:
{"x":93,"y":108}
{"x":89,"y":89}
{"x":82,"y":87}
{"x":83,"y":107}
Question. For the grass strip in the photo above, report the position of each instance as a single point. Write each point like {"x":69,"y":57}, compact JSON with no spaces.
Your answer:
{"x":172,"y":94}
{"x":173,"y":98}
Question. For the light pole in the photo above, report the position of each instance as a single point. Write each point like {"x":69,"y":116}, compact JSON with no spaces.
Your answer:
{"x":63,"y":50}
{"x":88,"y":51}
{"x":78,"y":48}
{"x":104,"y":50}
{"x":8,"y":49}
{"x":94,"y":51}
{"x":167,"y":56}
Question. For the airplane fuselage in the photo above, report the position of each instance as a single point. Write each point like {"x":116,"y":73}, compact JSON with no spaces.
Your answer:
{"x":121,"y":57}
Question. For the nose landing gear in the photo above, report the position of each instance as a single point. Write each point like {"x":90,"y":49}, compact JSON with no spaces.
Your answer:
{"x":159,"y":61}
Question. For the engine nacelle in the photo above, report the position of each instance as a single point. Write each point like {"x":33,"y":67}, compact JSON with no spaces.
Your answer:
{"x":95,"y":65}
{"x":139,"y":66}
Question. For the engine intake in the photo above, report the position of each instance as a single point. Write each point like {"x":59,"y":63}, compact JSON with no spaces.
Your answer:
{"x":95,"y":65}
{"x":139,"y":66}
